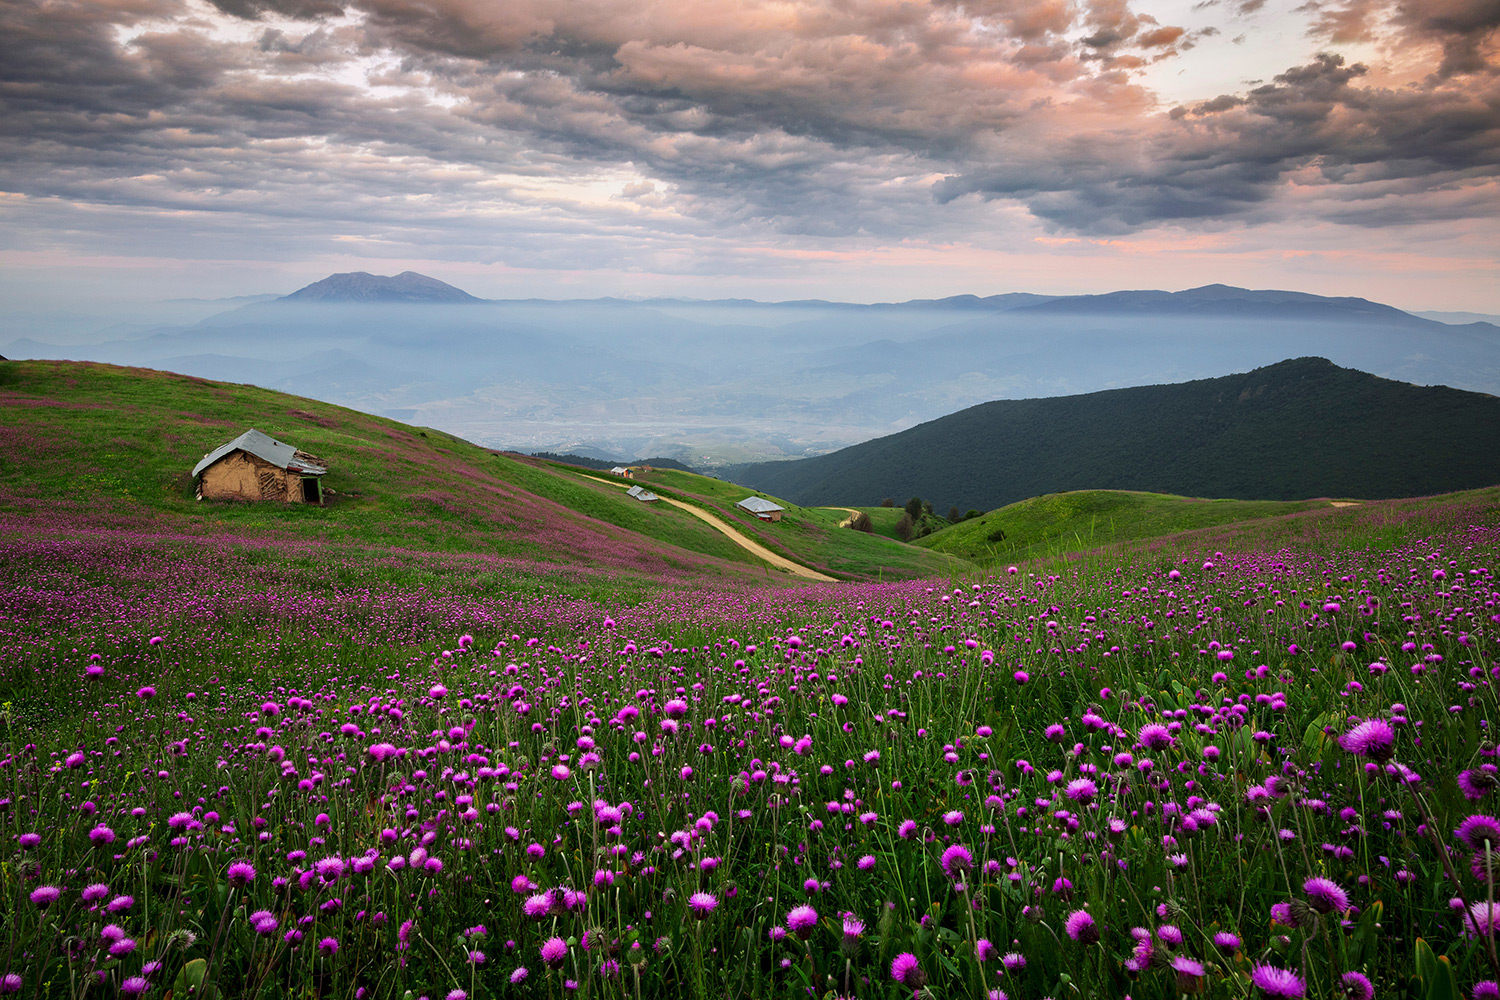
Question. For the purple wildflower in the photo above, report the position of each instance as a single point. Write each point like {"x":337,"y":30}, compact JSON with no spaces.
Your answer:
{"x":1356,"y":986}
{"x":1274,"y":982}
{"x":1081,"y":927}
{"x":1476,"y":830}
{"x":1325,"y":895}
{"x":906,"y":971}
{"x":956,"y":860}
{"x":1373,"y":738}
{"x":702,"y":904}
{"x":801,"y":921}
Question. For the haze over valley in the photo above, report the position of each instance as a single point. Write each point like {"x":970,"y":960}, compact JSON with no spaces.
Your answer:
{"x":719,"y":382}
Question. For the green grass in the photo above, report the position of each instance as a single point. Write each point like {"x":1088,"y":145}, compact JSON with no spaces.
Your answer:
{"x":810,"y":535}
{"x":1060,"y":523}
{"x":117,"y":445}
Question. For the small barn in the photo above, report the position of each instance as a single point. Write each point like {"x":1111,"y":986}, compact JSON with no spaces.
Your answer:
{"x":642,"y":494}
{"x":621,"y":470}
{"x":762,"y":508}
{"x":256,"y":466}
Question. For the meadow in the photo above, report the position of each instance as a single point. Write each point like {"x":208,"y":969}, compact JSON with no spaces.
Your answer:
{"x":1252,"y":763}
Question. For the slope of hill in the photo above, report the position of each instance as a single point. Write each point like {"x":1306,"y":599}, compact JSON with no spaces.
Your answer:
{"x":101,"y":447}
{"x":1292,"y":430}
{"x":1077,"y":521}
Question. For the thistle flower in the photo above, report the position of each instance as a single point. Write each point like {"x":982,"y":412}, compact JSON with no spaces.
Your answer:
{"x":1373,"y":738}
{"x":240,"y":873}
{"x":702,"y":904}
{"x":906,"y":971}
{"x":1325,"y":895}
{"x":44,"y":896}
{"x":1274,"y":982}
{"x":1190,"y":973}
{"x":554,"y":951}
{"x":956,"y":860}
{"x":1356,"y":986}
{"x":134,"y":986}
{"x":10,"y":983}
{"x":1081,"y":927}
{"x":802,"y":921}
{"x":1474,"y":831}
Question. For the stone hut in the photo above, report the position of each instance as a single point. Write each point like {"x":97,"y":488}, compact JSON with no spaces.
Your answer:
{"x":255,"y":466}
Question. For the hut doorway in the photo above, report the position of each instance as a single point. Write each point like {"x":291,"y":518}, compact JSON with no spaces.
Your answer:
{"x":312,"y":490}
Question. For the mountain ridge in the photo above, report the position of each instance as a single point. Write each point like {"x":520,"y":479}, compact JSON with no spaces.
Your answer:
{"x":1300,"y":428}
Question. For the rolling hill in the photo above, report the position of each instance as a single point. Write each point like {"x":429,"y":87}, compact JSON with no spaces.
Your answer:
{"x":91,"y":447}
{"x":1301,"y":428}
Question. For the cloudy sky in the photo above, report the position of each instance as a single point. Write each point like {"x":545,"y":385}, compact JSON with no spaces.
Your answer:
{"x":854,"y":149}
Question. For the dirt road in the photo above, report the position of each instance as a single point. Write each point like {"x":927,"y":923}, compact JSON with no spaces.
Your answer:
{"x":754,"y":548}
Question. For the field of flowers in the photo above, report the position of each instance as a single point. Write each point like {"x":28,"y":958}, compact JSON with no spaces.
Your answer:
{"x":1241,"y":771}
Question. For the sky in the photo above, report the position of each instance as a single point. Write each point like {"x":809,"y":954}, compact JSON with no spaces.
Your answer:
{"x":858,"y":150}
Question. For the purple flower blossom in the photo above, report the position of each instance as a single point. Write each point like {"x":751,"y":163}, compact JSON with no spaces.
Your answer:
{"x":802,"y":921}
{"x":1274,"y":982}
{"x":44,"y":896}
{"x":1325,"y":895}
{"x":554,"y":952}
{"x":906,"y":971}
{"x":702,"y":904}
{"x":1080,"y":927}
{"x":956,"y":860}
{"x":1475,"y":831}
{"x":1373,"y":738}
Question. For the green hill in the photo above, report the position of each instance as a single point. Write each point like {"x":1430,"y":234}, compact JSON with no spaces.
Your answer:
{"x":102,"y":447}
{"x":1060,"y":523}
{"x":1297,"y":429}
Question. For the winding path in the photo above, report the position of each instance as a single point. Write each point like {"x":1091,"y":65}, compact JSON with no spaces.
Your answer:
{"x":754,"y":548}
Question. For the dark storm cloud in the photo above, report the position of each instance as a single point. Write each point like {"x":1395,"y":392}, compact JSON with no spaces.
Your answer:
{"x":1230,"y":157}
{"x":395,"y":119}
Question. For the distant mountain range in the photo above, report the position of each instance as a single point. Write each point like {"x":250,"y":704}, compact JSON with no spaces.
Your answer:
{"x":1290,"y":431}
{"x":714,"y":383}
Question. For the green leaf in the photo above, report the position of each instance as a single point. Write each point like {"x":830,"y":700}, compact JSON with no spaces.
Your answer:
{"x":190,"y":978}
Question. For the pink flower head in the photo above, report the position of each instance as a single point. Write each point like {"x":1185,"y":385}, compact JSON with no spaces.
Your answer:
{"x":702,"y":904}
{"x":1373,"y":738}
{"x":1274,"y":982}
{"x":554,"y":952}
{"x":45,"y":896}
{"x":1081,"y":927}
{"x":802,"y":921}
{"x":1325,"y":895}
{"x":906,"y":971}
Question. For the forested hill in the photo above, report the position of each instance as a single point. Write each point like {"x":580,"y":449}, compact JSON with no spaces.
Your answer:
{"x":1297,"y":429}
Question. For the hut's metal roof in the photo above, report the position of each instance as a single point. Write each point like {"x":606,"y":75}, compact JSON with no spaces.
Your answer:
{"x":759,"y":505}
{"x":642,"y":494}
{"x":278,"y":453}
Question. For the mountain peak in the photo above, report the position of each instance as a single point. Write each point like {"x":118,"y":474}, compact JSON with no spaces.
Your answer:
{"x":360,"y":286}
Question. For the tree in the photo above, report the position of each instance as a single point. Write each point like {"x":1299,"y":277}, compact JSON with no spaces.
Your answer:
{"x":953,"y":515}
{"x":906,"y":527}
{"x":914,"y":508}
{"x":888,"y":502}
{"x":861,"y":522}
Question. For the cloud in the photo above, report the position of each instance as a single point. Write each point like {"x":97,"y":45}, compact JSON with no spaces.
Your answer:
{"x":588,"y":128}
{"x":1232,"y":158}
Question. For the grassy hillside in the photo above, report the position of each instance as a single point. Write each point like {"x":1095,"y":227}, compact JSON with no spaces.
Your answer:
{"x":1061,"y":523}
{"x":1293,"y":430}
{"x":811,"y":535}
{"x":91,"y":445}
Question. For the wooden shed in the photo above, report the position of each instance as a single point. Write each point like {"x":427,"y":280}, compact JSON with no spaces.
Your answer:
{"x":762,"y":508}
{"x":255,"y":466}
